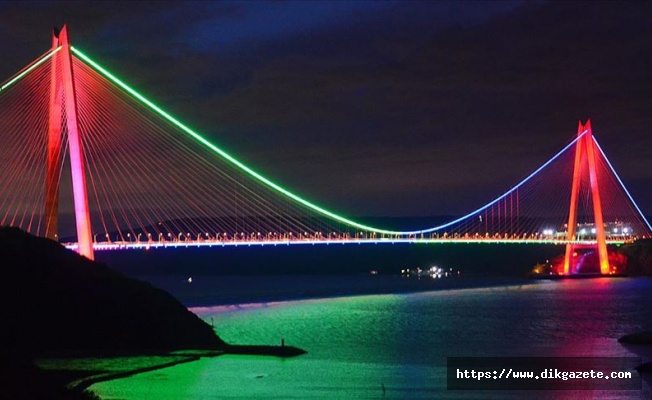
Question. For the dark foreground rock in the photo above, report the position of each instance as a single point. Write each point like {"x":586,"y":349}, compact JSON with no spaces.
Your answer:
{"x":57,"y":304}
{"x":645,"y":368}
{"x":639,"y":338}
{"x":277,"y":351}
{"x":54,"y":302}
{"x":20,"y":379}
{"x":639,"y":257}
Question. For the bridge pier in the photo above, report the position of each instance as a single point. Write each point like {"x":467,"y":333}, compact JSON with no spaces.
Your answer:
{"x":585,"y":157}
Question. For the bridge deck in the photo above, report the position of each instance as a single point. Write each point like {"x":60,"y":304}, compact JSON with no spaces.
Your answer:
{"x":101,"y":246}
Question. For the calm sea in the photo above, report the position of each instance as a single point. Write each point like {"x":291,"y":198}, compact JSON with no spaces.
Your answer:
{"x":359,"y":344}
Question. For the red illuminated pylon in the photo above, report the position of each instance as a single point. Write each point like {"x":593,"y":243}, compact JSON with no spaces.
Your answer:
{"x":63,"y":103}
{"x":54,"y":149}
{"x":585,"y":153}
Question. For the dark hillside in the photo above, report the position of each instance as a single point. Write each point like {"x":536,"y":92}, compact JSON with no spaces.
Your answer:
{"x":55,"y":302}
{"x":639,"y":257}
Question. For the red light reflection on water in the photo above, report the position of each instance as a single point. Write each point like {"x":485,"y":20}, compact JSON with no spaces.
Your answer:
{"x":589,"y":263}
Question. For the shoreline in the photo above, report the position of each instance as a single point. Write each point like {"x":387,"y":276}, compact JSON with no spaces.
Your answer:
{"x":166,"y":360}
{"x":390,"y":285}
{"x":470,"y":283}
{"x":85,"y":383}
{"x":262,"y":304}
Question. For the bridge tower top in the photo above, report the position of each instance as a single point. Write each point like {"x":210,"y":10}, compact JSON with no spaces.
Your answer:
{"x":585,"y":161}
{"x":63,"y":103}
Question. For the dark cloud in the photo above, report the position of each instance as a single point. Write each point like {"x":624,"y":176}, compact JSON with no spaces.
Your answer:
{"x":390,"y":108}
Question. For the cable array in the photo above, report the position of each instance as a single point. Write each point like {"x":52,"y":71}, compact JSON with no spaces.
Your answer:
{"x":151,"y":178}
{"x":24,"y":102}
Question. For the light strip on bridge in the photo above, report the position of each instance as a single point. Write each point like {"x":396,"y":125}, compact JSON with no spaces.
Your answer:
{"x":279,"y":188}
{"x":29,"y":69}
{"x":225,"y":155}
{"x":622,"y":184}
{"x":163,"y":245}
{"x":521,"y":183}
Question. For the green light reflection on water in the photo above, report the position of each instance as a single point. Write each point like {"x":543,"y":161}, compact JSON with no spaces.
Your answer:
{"x":358,"y":344}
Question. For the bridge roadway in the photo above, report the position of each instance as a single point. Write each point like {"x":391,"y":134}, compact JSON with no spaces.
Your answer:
{"x":146,"y":245}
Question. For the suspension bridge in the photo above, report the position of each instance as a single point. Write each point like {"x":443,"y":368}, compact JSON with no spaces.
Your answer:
{"x":76,"y":137}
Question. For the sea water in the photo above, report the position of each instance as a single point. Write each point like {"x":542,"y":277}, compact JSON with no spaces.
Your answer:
{"x":394,"y":346}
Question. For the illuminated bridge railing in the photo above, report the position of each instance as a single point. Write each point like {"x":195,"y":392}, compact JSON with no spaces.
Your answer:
{"x":145,"y":245}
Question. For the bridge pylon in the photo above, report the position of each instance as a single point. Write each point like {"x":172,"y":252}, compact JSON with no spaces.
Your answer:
{"x":585,"y":156}
{"x":63,"y":110}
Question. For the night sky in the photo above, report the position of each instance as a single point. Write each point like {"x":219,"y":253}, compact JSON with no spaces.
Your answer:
{"x":377,"y":108}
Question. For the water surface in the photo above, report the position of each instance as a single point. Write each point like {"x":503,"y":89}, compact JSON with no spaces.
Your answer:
{"x":357,"y":345}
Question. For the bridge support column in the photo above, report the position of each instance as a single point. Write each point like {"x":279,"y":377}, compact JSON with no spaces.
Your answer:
{"x":585,"y":156}
{"x":64,"y":77}
{"x":54,"y":148}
